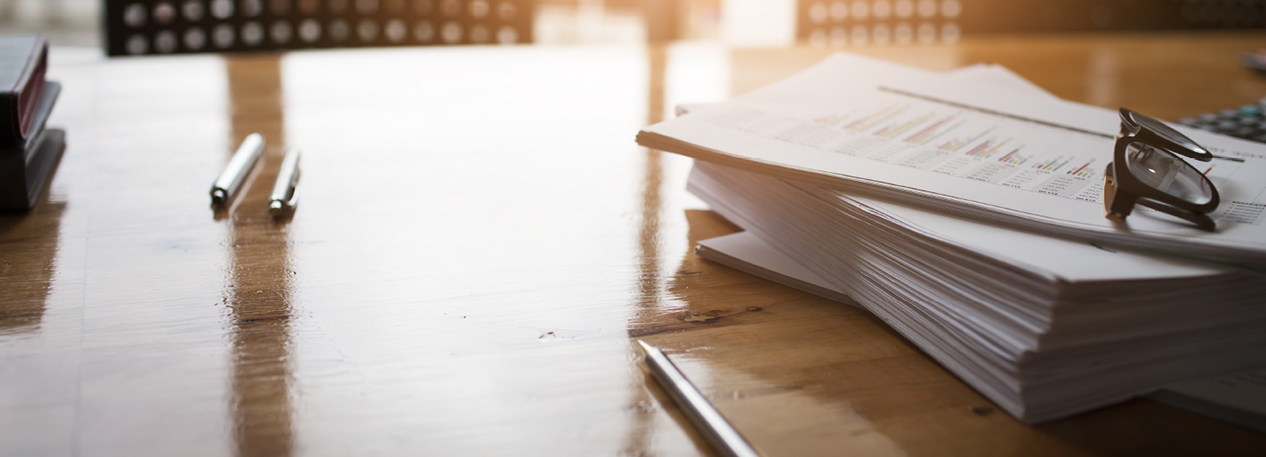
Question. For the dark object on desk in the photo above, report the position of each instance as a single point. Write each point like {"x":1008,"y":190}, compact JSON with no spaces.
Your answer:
{"x":140,"y":27}
{"x":837,"y":22}
{"x":25,"y":169}
{"x":23,"y":62}
{"x":1149,"y":169}
{"x":1255,"y":61}
{"x":1247,"y":122}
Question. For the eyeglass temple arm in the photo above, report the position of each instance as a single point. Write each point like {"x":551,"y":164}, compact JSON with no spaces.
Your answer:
{"x":1203,"y":221}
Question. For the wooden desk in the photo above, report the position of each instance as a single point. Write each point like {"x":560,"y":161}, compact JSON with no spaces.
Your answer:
{"x":478,"y":242}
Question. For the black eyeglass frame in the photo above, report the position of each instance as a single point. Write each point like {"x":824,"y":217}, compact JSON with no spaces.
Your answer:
{"x":1122,"y":190}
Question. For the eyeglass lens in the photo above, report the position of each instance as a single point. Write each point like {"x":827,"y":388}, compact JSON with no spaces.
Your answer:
{"x":1167,"y":132}
{"x":1167,"y":173}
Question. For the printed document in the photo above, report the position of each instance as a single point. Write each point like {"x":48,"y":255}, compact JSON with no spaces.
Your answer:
{"x":961,"y":146}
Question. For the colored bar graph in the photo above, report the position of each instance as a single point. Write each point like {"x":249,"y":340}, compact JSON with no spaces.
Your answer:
{"x":930,"y":132}
{"x":867,"y":122}
{"x":832,"y":119}
{"x":973,"y":152}
{"x":1083,"y":171}
{"x":986,"y":149}
{"x":1053,"y":164}
{"x":952,"y":146}
{"x":891,"y":131}
{"x":1013,"y":158}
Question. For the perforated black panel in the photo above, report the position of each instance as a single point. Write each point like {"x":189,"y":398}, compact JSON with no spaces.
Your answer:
{"x":139,"y":27}
{"x":857,"y":22}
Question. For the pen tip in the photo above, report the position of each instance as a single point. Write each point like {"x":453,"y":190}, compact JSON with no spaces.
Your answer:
{"x":646,"y":348}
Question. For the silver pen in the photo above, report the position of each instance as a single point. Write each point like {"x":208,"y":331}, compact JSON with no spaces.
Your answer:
{"x":283,"y":199}
{"x":239,"y":167}
{"x":725,"y":441}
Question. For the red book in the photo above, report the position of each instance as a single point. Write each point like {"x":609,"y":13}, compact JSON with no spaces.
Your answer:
{"x":23,"y":62}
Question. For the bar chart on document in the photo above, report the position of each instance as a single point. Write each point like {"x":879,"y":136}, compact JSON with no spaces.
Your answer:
{"x":948,"y":140}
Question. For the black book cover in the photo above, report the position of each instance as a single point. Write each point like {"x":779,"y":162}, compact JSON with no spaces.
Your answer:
{"x":25,"y":169}
{"x":23,"y":63}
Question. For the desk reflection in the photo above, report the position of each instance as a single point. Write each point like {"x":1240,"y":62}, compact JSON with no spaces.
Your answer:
{"x":28,"y":245}
{"x":260,"y":272}
{"x":650,"y":281}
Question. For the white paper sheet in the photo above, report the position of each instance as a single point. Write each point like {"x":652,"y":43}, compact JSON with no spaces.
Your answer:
{"x":956,"y":145}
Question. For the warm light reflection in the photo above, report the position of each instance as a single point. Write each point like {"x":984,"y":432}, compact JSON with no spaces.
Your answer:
{"x":28,"y":267}
{"x":262,"y":314}
{"x":770,"y":404}
{"x":640,"y":434}
{"x":498,"y":223}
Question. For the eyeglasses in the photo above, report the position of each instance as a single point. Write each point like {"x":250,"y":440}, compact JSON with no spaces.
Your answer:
{"x":1146,"y":170}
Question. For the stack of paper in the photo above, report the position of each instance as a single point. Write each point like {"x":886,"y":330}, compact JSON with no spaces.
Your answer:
{"x":965,"y":147}
{"x":887,"y":202}
{"x":1238,"y":397}
{"x":1043,"y":326}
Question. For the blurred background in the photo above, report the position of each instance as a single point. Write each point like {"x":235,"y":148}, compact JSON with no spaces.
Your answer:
{"x":752,"y":23}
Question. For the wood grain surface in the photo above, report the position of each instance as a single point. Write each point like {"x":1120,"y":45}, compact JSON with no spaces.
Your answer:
{"x":478,"y":243}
